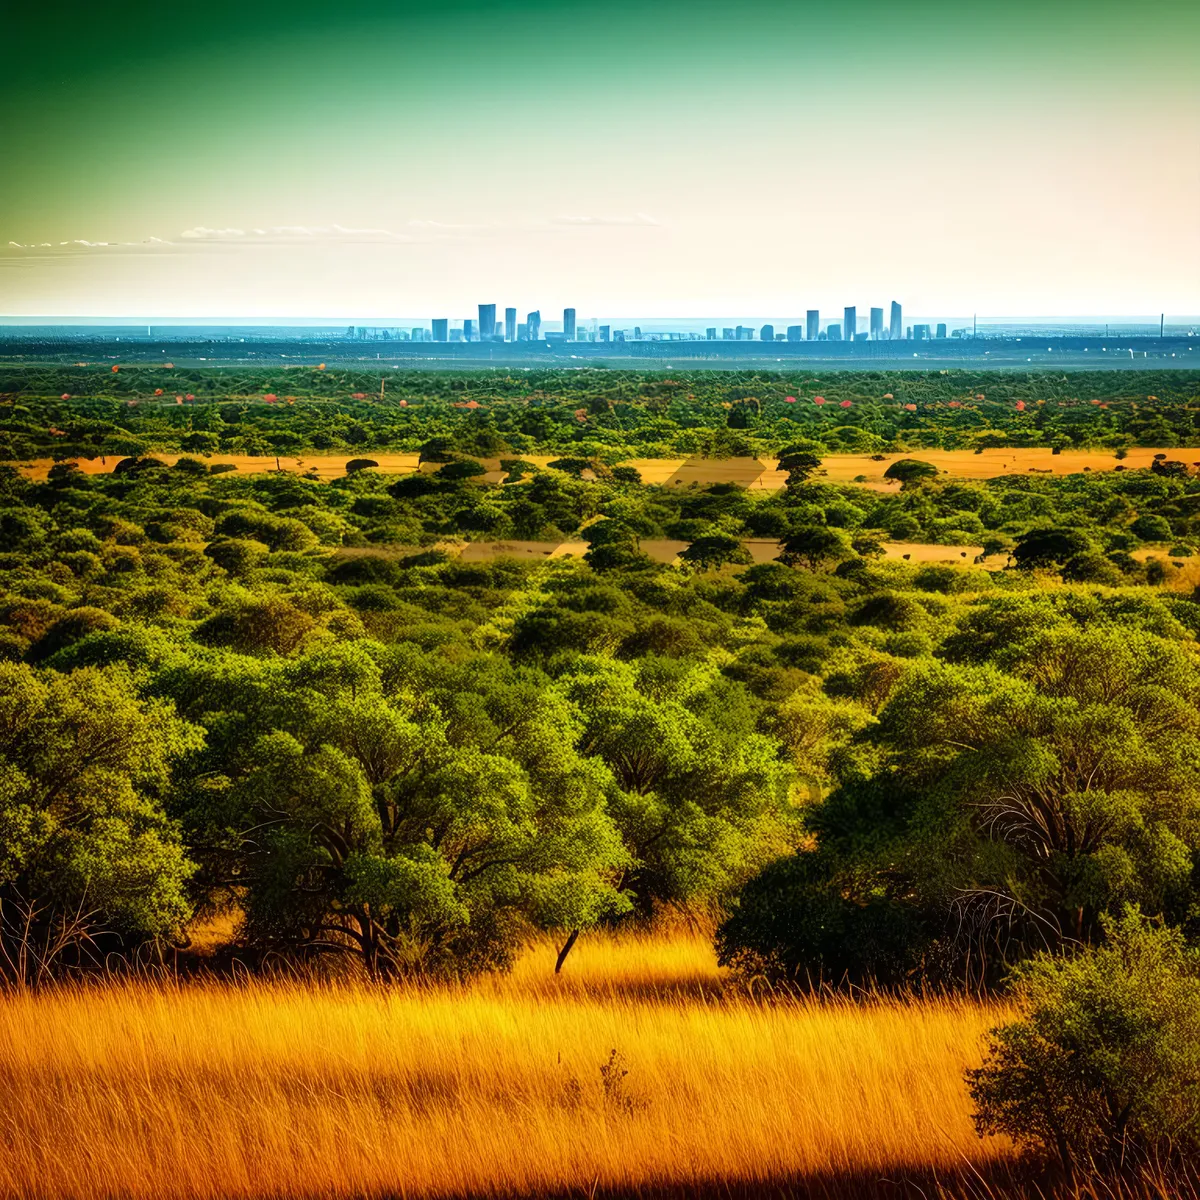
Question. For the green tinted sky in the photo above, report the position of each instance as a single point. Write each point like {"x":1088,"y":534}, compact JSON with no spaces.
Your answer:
{"x":388,"y":159}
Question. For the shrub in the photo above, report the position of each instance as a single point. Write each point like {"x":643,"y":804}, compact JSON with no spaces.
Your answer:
{"x":1092,"y":568}
{"x":1104,"y":1067}
{"x":70,"y":628}
{"x":1152,"y":528}
{"x":1049,"y":547}
{"x":238,"y":556}
{"x":270,"y":625}
{"x":464,"y":468}
{"x":890,"y":611}
{"x":910,"y":470}
{"x":794,"y":923}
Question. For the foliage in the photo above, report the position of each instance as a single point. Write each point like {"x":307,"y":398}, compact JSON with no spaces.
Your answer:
{"x":951,"y":765}
{"x":87,"y":853}
{"x":1103,"y":1068}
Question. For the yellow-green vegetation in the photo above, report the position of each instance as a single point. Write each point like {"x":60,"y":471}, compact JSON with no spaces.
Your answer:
{"x":272,"y":704}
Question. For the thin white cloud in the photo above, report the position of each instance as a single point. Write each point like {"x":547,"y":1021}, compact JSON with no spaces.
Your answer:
{"x":202,"y":233}
{"x":444,"y":227}
{"x":636,"y":219}
{"x":292,"y":233}
{"x":86,"y":244}
{"x":420,"y":230}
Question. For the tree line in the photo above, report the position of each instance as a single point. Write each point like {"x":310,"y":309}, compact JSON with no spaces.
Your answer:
{"x":118,"y":410}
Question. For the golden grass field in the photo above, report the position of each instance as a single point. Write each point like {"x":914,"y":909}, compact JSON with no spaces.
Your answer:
{"x":750,"y":472}
{"x":290,"y":1089}
{"x":666,"y":550}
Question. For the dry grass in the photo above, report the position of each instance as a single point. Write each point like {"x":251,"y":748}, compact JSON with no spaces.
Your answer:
{"x":755,"y":474}
{"x":299,"y":1090}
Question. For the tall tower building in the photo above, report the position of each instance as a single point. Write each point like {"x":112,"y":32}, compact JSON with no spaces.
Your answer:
{"x":440,"y":326}
{"x":534,"y":321}
{"x":487,"y":322}
{"x":833,"y":332}
{"x":814,"y":324}
{"x":510,"y":324}
{"x":766,"y":333}
{"x":941,"y":329}
{"x":569,"y":324}
{"x":897,"y":327}
{"x":795,"y":333}
{"x":850,"y":323}
{"x":876,"y":324}
{"x":468,"y":330}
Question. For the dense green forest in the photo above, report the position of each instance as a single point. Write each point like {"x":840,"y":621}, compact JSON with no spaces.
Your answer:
{"x":128,"y":410}
{"x":275,"y":697}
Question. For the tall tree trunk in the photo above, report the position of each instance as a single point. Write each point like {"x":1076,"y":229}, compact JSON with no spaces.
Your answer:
{"x":567,"y":946}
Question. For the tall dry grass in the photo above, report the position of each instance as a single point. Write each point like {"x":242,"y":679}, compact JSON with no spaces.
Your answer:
{"x":300,"y":1090}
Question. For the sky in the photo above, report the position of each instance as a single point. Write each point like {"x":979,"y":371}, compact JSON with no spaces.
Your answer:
{"x":367,"y":160}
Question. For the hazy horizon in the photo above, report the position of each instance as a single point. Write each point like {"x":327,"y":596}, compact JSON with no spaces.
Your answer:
{"x":553,"y":321}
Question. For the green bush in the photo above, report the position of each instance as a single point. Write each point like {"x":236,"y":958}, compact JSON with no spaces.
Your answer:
{"x":1103,"y":1067}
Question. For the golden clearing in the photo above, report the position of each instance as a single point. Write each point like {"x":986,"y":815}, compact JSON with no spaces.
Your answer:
{"x":752,"y":473}
{"x":292,"y":1089}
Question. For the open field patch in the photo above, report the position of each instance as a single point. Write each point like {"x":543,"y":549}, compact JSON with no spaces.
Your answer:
{"x":752,"y":473}
{"x":630,"y":1071}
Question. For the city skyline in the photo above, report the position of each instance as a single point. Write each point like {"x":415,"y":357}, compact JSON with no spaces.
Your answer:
{"x":276,"y":161}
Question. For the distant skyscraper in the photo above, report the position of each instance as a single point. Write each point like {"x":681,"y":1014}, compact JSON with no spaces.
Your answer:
{"x":534,"y":321}
{"x":920,"y":333}
{"x":604,"y":333}
{"x":487,"y":322}
{"x":637,"y":333}
{"x":766,"y":333}
{"x":814,"y":324}
{"x":510,"y":324}
{"x":941,"y":330}
{"x":795,"y":333}
{"x":523,"y":332}
{"x":468,"y":330}
{"x":440,"y":326}
{"x":833,"y":332}
{"x":897,"y":327}
{"x":876,"y":324}
{"x":850,"y":327}
{"x":726,"y":334}
{"x":569,"y":323}
{"x":418,"y":335}
{"x":711,"y":334}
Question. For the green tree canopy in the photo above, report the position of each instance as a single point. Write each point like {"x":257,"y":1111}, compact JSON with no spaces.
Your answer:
{"x":86,"y":849}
